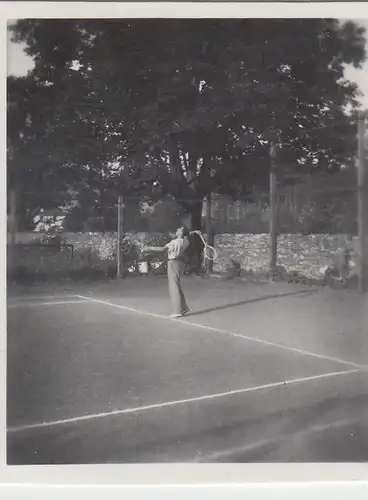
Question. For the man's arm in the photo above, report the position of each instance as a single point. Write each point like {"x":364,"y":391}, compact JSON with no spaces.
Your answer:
{"x":154,"y":249}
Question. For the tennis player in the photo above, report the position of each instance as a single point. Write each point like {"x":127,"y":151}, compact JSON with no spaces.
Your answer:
{"x":175,"y":269}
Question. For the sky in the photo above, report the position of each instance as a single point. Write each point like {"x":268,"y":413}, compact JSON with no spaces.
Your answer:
{"x":19,"y":63}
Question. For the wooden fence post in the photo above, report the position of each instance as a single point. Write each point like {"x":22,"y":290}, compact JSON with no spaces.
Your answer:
{"x":12,"y":231}
{"x":120,"y":254}
{"x":362,"y":207}
{"x":209,"y":262}
{"x":273,"y":212}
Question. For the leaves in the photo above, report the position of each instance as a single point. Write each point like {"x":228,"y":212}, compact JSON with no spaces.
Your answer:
{"x":149,"y":109}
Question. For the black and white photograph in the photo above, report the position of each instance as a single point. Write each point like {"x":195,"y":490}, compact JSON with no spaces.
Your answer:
{"x":187,"y":240}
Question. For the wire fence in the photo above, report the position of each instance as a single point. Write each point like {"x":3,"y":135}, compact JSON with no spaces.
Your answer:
{"x":325,"y":209}
{"x":327,"y":204}
{"x":70,"y":243}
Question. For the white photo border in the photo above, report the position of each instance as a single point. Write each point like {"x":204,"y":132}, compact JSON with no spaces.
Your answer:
{"x":264,"y":481}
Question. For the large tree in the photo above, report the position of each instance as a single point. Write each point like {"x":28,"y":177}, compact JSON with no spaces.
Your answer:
{"x":189,"y":107}
{"x":34,"y":172}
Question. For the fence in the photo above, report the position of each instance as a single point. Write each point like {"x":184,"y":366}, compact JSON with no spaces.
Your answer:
{"x":312,"y":235}
{"x":319,"y":210}
{"x":310,"y":205}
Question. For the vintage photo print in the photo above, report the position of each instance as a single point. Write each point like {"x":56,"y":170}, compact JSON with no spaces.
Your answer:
{"x":187,"y":237}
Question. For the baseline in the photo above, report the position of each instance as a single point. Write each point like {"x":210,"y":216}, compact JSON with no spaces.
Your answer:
{"x":169,"y":404}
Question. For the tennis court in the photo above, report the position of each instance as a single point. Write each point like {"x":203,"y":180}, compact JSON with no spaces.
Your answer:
{"x":256,"y":372}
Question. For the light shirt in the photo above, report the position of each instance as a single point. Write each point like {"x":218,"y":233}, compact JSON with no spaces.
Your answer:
{"x":176,"y":248}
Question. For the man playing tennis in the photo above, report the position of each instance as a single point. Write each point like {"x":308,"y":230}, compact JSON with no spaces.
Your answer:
{"x":175,"y":269}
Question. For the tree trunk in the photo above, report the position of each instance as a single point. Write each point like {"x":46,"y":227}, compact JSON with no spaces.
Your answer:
{"x":196,"y":216}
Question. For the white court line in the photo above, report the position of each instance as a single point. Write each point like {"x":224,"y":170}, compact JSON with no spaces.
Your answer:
{"x":232,"y":334}
{"x":39,"y":297}
{"x":228,"y":453}
{"x":169,"y":404}
{"x":125,"y":308}
{"x":41,"y":304}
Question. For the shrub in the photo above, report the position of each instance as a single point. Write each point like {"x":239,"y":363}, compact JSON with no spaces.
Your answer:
{"x":90,"y":273}
{"x":233,"y":269}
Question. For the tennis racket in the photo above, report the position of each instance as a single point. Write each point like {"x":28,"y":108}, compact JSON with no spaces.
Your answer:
{"x":209,"y":252}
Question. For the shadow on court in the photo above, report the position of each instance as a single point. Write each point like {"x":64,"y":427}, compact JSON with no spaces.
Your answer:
{"x":110,"y":379}
{"x":302,"y":293}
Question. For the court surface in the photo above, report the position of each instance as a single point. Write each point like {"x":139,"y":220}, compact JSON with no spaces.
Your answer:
{"x":256,"y":373}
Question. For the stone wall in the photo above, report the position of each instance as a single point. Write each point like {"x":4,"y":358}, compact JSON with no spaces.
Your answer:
{"x":307,"y":255}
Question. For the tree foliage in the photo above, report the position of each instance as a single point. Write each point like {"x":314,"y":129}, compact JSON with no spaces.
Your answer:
{"x":139,"y":107}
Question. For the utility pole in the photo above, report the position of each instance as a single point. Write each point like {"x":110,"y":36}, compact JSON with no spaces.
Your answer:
{"x":273,"y":212}
{"x":362,"y":207}
{"x":120,"y":255}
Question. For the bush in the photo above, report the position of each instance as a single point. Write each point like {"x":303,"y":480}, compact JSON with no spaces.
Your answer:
{"x":22,"y":275}
{"x":233,"y":269}
{"x":87,"y":273}
{"x":280,"y":273}
{"x":111,"y":271}
{"x":19,"y":274}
